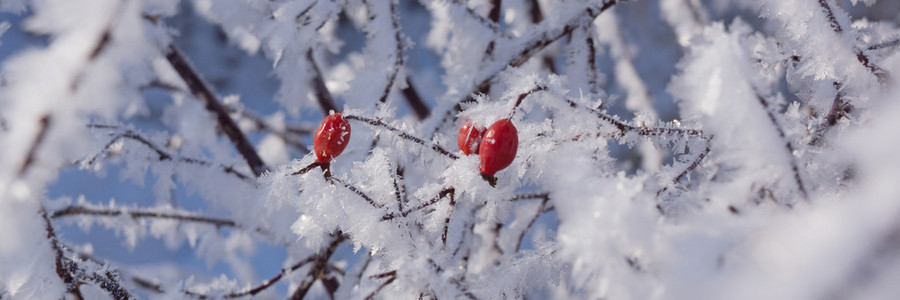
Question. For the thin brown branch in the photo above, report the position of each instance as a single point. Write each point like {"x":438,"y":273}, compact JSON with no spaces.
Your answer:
{"x":861,"y":56}
{"x":447,"y":220}
{"x":399,"y":187}
{"x":318,"y":269}
{"x":518,"y":197}
{"x":493,"y":26}
{"x":162,"y":155}
{"x":384,"y":274}
{"x":44,"y":124}
{"x":537,"y":214}
{"x":533,"y":44}
{"x":310,"y":167}
{"x":547,"y":37}
{"x":788,"y":146}
{"x":444,"y":193}
{"x":290,"y":134}
{"x":266,"y":284}
{"x":380,"y":287}
{"x":108,"y":280}
{"x":534,"y":10}
{"x":357,"y":191}
{"x":398,"y":50}
{"x":64,"y":268}
{"x":402,"y":134}
{"x":829,"y":14}
{"x":326,"y":101}
{"x":202,"y":92}
{"x":888,"y":44}
{"x":141,"y":214}
{"x":415,"y":100}
{"x":459,"y":285}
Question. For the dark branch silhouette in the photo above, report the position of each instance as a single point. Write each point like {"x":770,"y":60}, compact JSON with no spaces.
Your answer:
{"x":202,"y":92}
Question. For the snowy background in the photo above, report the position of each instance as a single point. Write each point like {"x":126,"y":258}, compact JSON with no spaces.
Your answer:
{"x":668,"y":149}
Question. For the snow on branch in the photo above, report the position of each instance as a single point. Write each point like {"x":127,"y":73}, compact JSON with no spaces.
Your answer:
{"x":203,"y":93}
{"x":577,"y":149}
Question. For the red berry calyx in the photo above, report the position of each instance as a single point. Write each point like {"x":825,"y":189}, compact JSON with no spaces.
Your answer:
{"x":331,"y":137}
{"x":469,"y":138}
{"x":498,"y":147}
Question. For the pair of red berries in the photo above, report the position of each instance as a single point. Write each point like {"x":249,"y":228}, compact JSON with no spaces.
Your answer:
{"x":497,"y":145}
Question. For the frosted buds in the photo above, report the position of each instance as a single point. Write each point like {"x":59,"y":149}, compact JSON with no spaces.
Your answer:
{"x":498,"y":147}
{"x":469,"y":138}
{"x":331,"y":137}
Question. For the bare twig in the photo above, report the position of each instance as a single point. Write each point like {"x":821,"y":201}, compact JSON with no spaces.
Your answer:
{"x":415,"y":101}
{"x":861,"y":56}
{"x":38,"y":139}
{"x":357,"y":191}
{"x":493,"y":26}
{"x":402,"y":134}
{"x":534,"y":10}
{"x":537,"y":214}
{"x":162,"y":155}
{"x":788,"y":146}
{"x":202,"y":92}
{"x":529,"y":196}
{"x":380,"y":287}
{"x":398,"y":49}
{"x":829,"y":14}
{"x":318,"y":269}
{"x":459,"y":285}
{"x":888,"y":44}
{"x":447,"y":220}
{"x":532,"y":43}
{"x":444,"y":193}
{"x":141,"y":214}
{"x":290,"y":134}
{"x":64,"y":268}
{"x":326,"y":101}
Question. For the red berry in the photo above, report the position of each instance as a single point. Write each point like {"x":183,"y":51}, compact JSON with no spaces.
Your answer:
{"x":498,"y":147}
{"x":469,"y":138}
{"x":331,"y":137}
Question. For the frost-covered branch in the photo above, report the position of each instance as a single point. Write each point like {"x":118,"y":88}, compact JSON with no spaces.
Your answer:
{"x":415,"y":100}
{"x":325,"y":100}
{"x":795,"y":168}
{"x":141,"y":214}
{"x":162,"y":155}
{"x":212,"y":104}
{"x":317,"y":271}
{"x":402,"y":134}
{"x":64,"y":267}
{"x":38,"y":139}
{"x":884,"y":45}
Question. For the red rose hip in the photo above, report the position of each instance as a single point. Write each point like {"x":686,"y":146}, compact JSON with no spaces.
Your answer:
{"x":498,"y":147}
{"x":469,"y":138}
{"x":331,"y":137}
